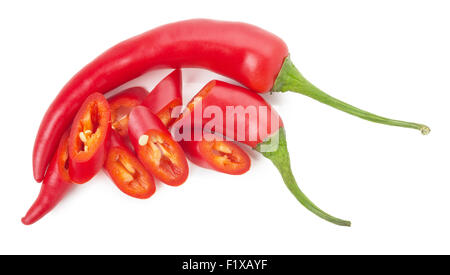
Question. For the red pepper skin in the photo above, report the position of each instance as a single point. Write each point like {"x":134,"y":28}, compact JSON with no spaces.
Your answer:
{"x":121,"y":105}
{"x":240,"y":51}
{"x":87,"y":157}
{"x":115,"y":140}
{"x":169,"y":165}
{"x":220,"y":155}
{"x":55,"y":186}
{"x":141,"y":120}
{"x":222,"y":95}
{"x":143,"y":185}
{"x":165,"y":97}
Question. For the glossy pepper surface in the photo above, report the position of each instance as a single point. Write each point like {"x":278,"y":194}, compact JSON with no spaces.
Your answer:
{"x":55,"y":186}
{"x":155,"y":147}
{"x":88,"y":139}
{"x":127,"y":173}
{"x":250,"y":55}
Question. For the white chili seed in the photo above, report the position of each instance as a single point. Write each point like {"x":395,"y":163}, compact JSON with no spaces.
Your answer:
{"x":82,"y":137}
{"x":143,"y":140}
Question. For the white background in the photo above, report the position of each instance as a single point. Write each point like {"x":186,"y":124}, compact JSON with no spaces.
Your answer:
{"x":388,"y":57}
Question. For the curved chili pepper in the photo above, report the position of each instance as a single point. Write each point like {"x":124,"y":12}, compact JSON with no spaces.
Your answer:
{"x":211,"y":152}
{"x":127,"y":173}
{"x":155,"y":148}
{"x":250,"y":55}
{"x":55,"y":186}
{"x":165,"y":97}
{"x":264,"y":130}
{"x":88,"y":138}
{"x":121,"y":105}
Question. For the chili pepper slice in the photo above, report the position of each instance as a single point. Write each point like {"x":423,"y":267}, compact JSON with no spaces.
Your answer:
{"x":121,"y":105}
{"x":127,"y":173}
{"x":165,"y":97}
{"x":250,"y":55}
{"x":214,"y":153}
{"x":155,"y":148}
{"x":55,"y":186}
{"x":254,"y":119}
{"x":88,"y":138}
{"x":261,"y":133}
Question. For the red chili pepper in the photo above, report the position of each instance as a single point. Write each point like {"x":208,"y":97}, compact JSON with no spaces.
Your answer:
{"x":257,"y":122}
{"x":261,"y":133}
{"x":126,"y":171}
{"x":121,"y":105}
{"x":211,"y":152}
{"x":88,"y":138}
{"x":55,"y":186}
{"x":248,"y":54}
{"x":165,"y":97}
{"x":155,"y":148}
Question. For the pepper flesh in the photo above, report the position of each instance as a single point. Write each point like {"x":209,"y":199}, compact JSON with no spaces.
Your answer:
{"x":252,"y":56}
{"x":155,"y":148}
{"x":164,"y":99}
{"x":127,"y":173}
{"x":214,"y":153}
{"x":88,"y":140}
{"x":121,"y":105}
{"x":55,"y":186}
{"x":271,"y":141}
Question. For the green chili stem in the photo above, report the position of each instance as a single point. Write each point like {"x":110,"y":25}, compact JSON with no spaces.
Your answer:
{"x":290,"y":79}
{"x":275,"y":149}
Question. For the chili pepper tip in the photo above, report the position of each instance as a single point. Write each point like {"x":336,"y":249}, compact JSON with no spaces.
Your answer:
{"x":25,"y":221}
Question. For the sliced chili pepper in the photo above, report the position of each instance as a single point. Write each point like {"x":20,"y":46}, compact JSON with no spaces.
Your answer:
{"x":121,"y":105}
{"x":155,"y":148}
{"x":270,"y":138}
{"x":55,"y":186}
{"x":252,"y":56}
{"x":214,"y":153}
{"x":248,"y":129}
{"x":165,"y":97}
{"x":126,"y":171}
{"x":88,"y":138}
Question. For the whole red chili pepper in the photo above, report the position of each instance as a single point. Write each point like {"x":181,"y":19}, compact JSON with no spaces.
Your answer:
{"x":126,"y":171}
{"x":155,"y":148}
{"x":214,"y":153}
{"x":164,"y":99}
{"x":56,"y":184}
{"x":121,"y":105}
{"x":88,"y":139}
{"x":248,"y":54}
{"x":259,"y":125}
